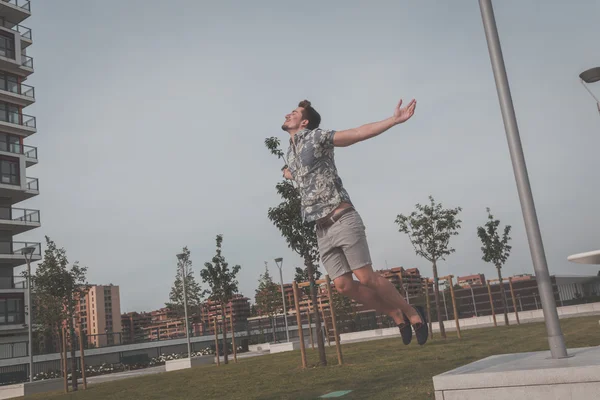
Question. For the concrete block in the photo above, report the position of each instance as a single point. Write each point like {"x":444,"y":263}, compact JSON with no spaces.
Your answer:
{"x":29,"y":388}
{"x":524,"y":376}
{"x":185,"y":363}
{"x":585,"y":308}
{"x":261,"y":347}
{"x":390,"y":331}
{"x":286,"y":346}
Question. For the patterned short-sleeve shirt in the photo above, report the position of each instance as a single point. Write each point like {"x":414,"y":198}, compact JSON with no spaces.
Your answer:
{"x":311,"y":163}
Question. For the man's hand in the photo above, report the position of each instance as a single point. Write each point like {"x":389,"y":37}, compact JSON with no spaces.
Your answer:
{"x":287,"y":174}
{"x":403,"y":114}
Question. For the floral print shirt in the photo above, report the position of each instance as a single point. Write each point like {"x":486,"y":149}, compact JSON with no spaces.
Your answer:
{"x":310,"y":161}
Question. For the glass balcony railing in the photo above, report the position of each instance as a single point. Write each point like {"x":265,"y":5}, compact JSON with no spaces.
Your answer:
{"x":24,"y":4}
{"x":30,"y":152}
{"x":16,"y":148}
{"x":18,"y":119}
{"x":33,"y":184}
{"x":13,"y":282}
{"x":26,"y":61}
{"x":22,"y":30}
{"x":19,"y":214}
{"x":16,"y":88}
{"x":16,"y":248}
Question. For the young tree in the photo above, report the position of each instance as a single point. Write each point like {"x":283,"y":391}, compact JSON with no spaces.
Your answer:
{"x":343,"y":308}
{"x":222,"y":283}
{"x":300,"y":236}
{"x":194,"y":292}
{"x":495,"y":250}
{"x":57,"y":291}
{"x":429,"y":230}
{"x":268,"y":297}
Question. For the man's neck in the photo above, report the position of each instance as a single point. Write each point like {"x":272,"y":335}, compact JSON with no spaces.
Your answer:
{"x":294,"y":132}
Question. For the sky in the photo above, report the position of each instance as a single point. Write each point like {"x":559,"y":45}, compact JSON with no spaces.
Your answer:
{"x":152,"y":117}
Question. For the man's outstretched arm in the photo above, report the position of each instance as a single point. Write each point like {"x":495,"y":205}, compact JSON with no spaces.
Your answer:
{"x":350,"y":136}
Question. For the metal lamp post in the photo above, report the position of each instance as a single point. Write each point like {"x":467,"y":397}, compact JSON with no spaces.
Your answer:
{"x":473,"y":297}
{"x":590,"y":76}
{"x":279,"y":262}
{"x":536,"y":247}
{"x":187,"y":328}
{"x":27,"y":253}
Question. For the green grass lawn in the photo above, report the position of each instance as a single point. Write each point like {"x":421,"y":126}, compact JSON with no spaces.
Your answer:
{"x":380,"y":369}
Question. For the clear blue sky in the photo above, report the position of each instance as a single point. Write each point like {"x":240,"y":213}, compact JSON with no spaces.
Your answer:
{"x":152,"y":117}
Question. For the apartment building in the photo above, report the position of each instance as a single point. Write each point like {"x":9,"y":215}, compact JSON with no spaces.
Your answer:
{"x":471,"y":280}
{"x":408,"y":281}
{"x":133,"y":324}
{"x":16,"y":155}
{"x":100,"y":315}
{"x":238,"y":308}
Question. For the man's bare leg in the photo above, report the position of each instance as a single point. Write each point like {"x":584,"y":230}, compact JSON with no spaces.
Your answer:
{"x":371,"y":299}
{"x":389,"y":295}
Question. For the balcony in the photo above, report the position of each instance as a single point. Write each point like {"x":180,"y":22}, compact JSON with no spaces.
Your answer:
{"x":30,"y":152}
{"x":12,"y":284}
{"x":11,"y":253}
{"x":17,"y":123}
{"x":19,"y":94}
{"x":24,"y":32}
{"x":17,"y":192}
{"x":15,"y":10}
{"x":18,"y":64}
{"x":18,"y":220}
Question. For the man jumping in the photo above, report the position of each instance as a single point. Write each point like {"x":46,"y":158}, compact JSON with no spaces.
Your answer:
{"x":341,"y":235}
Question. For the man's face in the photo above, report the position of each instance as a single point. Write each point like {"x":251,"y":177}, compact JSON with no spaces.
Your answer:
{"x":293,"y":121}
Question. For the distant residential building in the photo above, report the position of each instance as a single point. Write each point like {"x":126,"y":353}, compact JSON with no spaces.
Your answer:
{"x":471,"y":280}
{"x":522,"y":277}
{"x":100,"y":315}
{"x":238,"y":307}
{"x":166,"y":324}
{"x":408,"y":281}
{"x":133,"y":324}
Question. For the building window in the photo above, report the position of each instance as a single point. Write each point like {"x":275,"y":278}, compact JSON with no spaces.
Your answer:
{"x":10,"y":143}
{"x":7,"y":45}
{"x":9,"y":82}
{"x":10,"y":113}
{"x":9,"y":171}
{"x":11,"y":311}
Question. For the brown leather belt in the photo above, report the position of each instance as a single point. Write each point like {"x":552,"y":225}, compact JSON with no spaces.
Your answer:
{"x":326,"y":222}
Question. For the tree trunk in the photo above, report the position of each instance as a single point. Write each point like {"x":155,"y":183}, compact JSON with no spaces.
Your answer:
{"x":504,"y":303}
{"x":436,"y":292}
{"x":74,"y":376}
{"x":224,"y":333}
{"x":313,"y":295}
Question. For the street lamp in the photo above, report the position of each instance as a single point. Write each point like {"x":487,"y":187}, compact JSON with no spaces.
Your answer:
{"x":590,"y":76}
{"x":556,"y":339}
{"x":28,"y":251}
{"x":279,"y":262}
{"x":187,"y":328}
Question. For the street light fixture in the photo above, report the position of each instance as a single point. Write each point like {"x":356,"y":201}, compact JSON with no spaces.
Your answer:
{"x":187,"y":328}
{"x":279,"y":262}
{"x":590,"y":76}
{"x":27,"y":253}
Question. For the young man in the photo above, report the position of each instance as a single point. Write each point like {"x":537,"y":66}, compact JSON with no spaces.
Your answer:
{"x":340,"y":230}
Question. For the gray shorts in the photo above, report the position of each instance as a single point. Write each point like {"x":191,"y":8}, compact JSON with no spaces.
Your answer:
{"x":343,"y":245}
